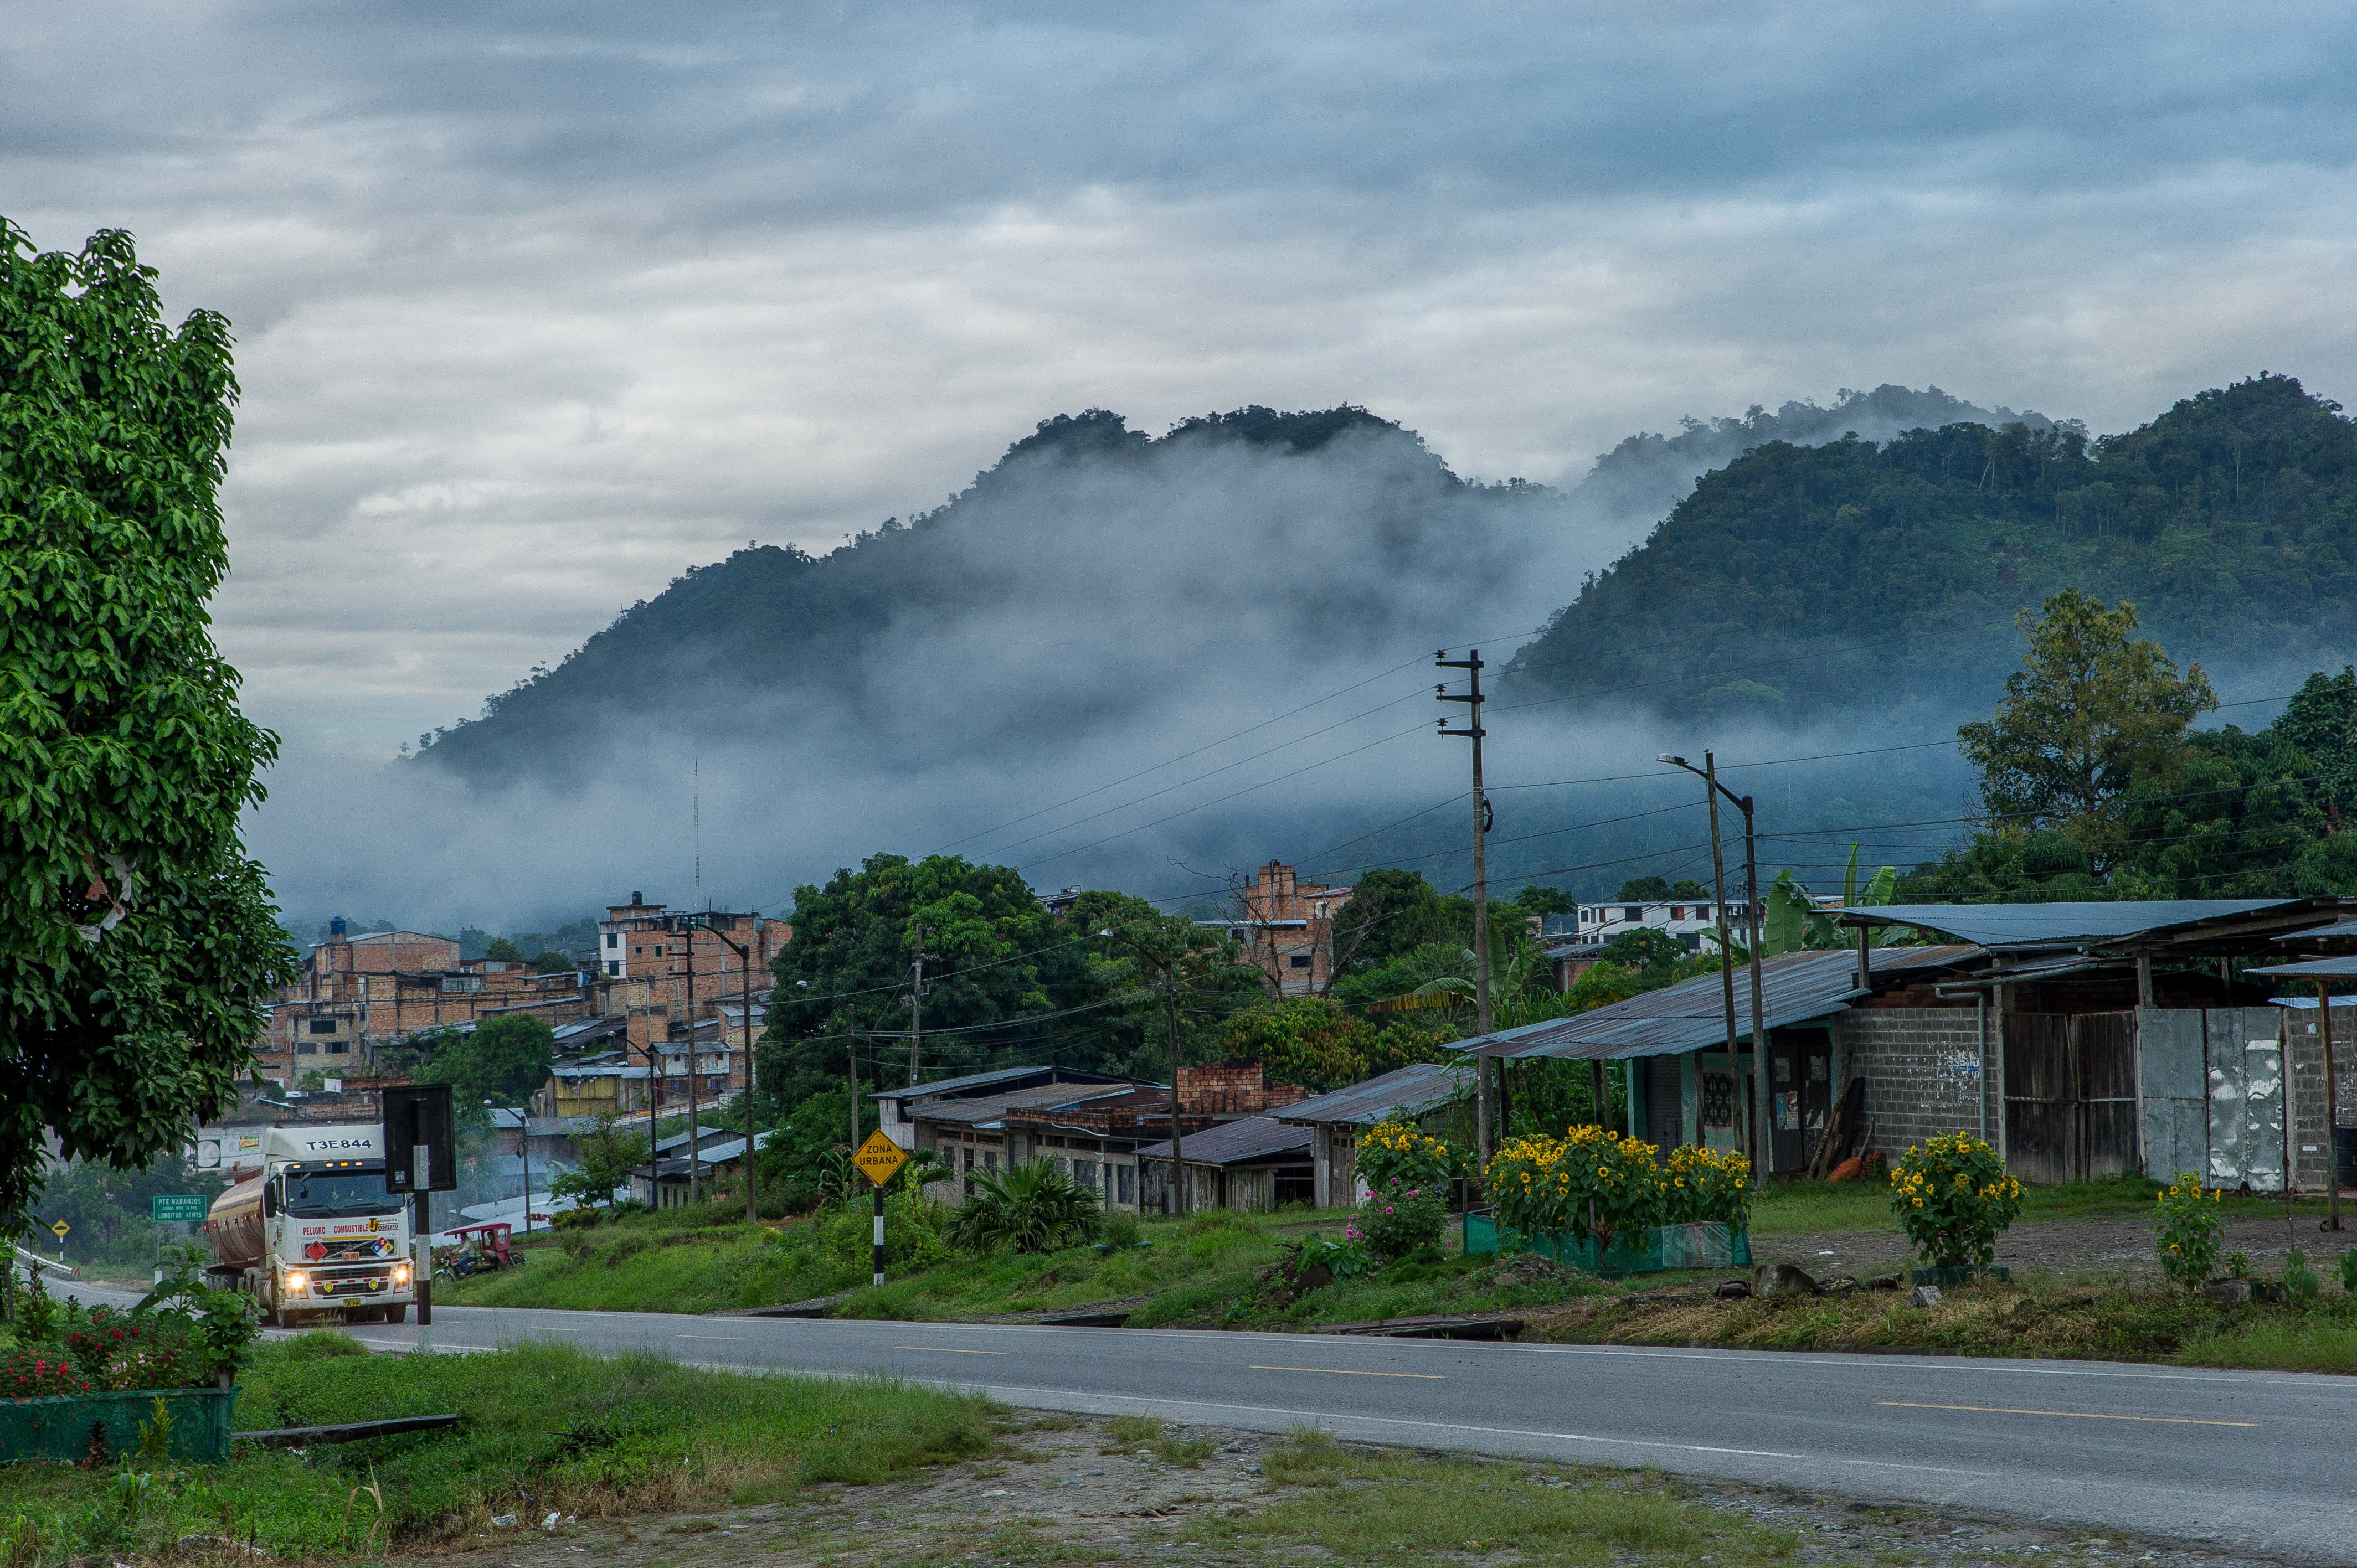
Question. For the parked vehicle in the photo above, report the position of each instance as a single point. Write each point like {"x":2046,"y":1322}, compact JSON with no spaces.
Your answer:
{"x":316,"y":1232}
{"x":481,"y":1248}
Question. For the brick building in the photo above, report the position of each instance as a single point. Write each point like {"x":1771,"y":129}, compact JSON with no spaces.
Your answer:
{"x":683,"y":988}
{"x":1286,"y":929}
{"x":358,"y":994}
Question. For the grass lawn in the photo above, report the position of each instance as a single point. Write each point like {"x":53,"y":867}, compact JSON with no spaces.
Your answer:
{"x":542,"y":1429}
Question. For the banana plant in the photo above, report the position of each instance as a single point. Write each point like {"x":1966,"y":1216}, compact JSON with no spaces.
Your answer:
{"x":1825,"y":933}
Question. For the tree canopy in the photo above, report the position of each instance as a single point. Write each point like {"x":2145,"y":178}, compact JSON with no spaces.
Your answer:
{"x":503,"y":1059}
{"x":140,"y":940}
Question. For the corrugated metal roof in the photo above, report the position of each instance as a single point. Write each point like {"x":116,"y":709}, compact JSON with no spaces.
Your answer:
{"x":1404,"y":1091}
{"x":2313,"y":969}
{"x":1021,"y":1103}
{"x":997,"y":1075}
{"x":2341,"y":930}
{"x":1795,"y":988}
{"x":2053,"y":925}
{"x":1235,"y":1142}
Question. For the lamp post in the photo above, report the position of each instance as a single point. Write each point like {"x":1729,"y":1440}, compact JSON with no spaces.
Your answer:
{"x":523,"y":1142}
{"x":1762,"y":1128}
{"x":744,"y":1000}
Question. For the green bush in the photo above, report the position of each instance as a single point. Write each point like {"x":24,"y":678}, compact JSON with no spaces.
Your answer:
{"x":2186,"y":1226}
{"x":1033,"y":1207}
{"x":914,"y":1231}
{"x":1953,"y":1199}
{"x":2349,"y":1270}
{"x":1591,"y":1181}
{"x":1397,"y":1218}
{"x":2300,"y":1282}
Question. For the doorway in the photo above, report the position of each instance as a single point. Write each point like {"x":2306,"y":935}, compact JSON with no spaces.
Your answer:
{"x":1800,"y":1096}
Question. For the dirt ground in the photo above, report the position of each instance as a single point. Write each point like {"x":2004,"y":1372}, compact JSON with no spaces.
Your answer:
{"x":1060,"y":1490}
{"x":2072,"y":1248}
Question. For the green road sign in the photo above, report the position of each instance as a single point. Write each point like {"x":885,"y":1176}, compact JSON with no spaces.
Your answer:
{"x":188,"y":1207}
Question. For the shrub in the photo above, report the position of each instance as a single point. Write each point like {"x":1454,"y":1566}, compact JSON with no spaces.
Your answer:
{"x":1953,"y":1199}
{"x":2186,"y":1225}
{"x":1591,"y":1182}
{"x":31,"y":1371}
{"x":915,"y":1231}
{"x":1396,"y":1151}
{"x":1708,"y":1184}
{"x":2349,"y":1270}
{"x":1032,"y":1208}
{"x":2300,"y":1282}
{"x":1397,"y":1218}
{"x":1121,"y":1231}
{"x":1346,"y":1258}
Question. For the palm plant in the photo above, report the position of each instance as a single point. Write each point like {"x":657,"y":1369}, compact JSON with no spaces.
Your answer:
{"x":1033,"y":1207}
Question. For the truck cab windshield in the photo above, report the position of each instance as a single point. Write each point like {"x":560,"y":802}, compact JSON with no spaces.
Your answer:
{"x":340,"y":1194}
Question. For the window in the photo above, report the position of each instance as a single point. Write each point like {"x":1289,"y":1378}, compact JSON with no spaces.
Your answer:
{"x":306,"y":1048}
{"x":1678,"y":912}
{"x":323,"y":1025}
{"x":1632,"y":912}
{"x":1084,"y":1173}
{"x":461,"y":984}
{"x":1702,"y":912}
{"x":1298,"y":961}
{"x":1124,"y":1183}
{"x":659,"y":949}
{"x":613,"y":939}
{"x":337,"y":1047}
{"x":613,"y":966}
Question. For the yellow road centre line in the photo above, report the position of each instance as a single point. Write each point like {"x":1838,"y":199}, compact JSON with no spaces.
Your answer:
{"x":1353,"y":1372}
{"x":2073,"y":1414}
{"x":949,"y":1350}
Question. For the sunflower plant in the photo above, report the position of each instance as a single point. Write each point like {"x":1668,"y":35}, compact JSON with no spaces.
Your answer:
{"x":1700,"y":1184}
{"x":1398,"y":1151}
{"x":1953,"y":1199}
{"x":1591,"y":1182}
{"x":2186,"y":1226}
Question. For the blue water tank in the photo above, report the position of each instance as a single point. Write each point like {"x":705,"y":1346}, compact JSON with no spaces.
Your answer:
{"x":336,"y":929}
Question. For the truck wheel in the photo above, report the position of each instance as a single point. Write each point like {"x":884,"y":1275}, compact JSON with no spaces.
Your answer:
{"x":396,"y":1314}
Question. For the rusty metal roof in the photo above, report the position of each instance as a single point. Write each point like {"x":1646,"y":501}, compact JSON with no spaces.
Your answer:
{"x":1404,"y":1091}
{"x":1795,"y":988}
{"x":1235,"y":1142}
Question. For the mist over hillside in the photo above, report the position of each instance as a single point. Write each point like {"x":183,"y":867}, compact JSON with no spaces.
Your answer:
{"x":1255,"y":594}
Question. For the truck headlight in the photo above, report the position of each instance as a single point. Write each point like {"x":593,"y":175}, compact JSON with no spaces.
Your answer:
{"x":401,"y":1276}
{"x":297,"y":1281}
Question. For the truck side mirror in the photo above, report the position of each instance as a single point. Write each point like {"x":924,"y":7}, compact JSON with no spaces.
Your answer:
{"x":269,"y":1199}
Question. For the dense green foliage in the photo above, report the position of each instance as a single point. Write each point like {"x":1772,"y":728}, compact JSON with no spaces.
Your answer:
{"x":501,"y":1059}
{"x":107,"y":1210}
{"x":1032,"y":1208}
{"x":139,"y":944}
{"x":1855,"y":576}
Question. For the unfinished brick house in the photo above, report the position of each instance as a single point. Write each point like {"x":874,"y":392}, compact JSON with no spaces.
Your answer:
{"x":1286,"y":930}
{"x":359,"y":994}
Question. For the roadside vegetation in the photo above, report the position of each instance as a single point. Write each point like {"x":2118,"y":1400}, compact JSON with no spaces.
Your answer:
{"x":543,"y":1430}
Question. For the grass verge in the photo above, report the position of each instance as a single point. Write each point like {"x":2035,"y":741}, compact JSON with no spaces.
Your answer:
{"x":2087,"y":1322}
{"x":541,"y":1429}
{"x":1405,"y":1509}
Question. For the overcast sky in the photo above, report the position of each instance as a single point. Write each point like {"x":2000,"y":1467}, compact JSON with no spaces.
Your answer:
{"x":539,"y":303}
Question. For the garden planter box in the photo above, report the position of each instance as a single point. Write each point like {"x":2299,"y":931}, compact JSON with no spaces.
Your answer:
{"x":1707,"y":1245}
{"x":59,"y":1427}
{"x":1964,"y":1274}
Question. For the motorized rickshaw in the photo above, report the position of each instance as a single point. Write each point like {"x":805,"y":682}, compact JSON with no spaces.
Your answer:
{"x":481,"y":1249}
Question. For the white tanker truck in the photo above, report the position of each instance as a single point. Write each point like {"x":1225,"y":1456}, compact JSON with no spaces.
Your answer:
{"x":317,"y":1231}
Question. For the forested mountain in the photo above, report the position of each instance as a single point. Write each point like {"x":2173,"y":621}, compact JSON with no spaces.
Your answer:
{"x":1856,"y":576}
{"x":1255,"y":537}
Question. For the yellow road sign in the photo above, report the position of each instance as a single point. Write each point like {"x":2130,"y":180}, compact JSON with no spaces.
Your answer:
{"x":61,"y":1227}
{"x":879,"y":1157}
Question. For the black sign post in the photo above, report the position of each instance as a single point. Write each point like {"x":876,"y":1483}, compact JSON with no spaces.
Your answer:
{"x":421,"y":1157}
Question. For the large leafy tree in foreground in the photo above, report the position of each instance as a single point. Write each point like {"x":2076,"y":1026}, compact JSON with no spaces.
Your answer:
{"x":137,"y":942}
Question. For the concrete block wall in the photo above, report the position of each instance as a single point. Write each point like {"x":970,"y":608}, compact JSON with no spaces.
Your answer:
{"x":2310,"y":1148}
{"x":1921,"y":1066}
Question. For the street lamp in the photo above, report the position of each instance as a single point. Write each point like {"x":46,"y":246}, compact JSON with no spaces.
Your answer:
{"x":1763,"y":1137}
{"x":745,"y":999}
{"x":524,"y":1142}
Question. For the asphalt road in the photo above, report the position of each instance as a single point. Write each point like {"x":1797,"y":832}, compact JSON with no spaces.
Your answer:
{"x":2253,"y":1461}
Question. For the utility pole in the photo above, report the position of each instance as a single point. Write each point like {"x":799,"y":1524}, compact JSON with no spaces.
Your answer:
{"x":1757,"y":1135}
{"x":1165,"y":968}
{"x":694,"y":1144}
{"x":916,"y":1002}
{"x":1485,"y":1069}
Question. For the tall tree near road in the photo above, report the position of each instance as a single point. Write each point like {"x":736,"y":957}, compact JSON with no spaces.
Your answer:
{"x":2095,"y":713}
{"x":139,"y":941}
